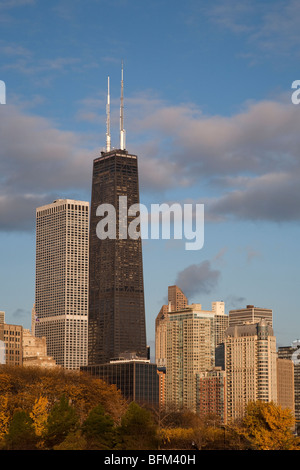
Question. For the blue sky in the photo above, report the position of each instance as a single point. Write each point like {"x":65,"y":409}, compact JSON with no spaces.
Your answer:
{"x":208,"y":111}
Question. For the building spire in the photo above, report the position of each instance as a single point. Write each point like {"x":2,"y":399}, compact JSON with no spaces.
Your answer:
{"x":122,"y":130}
{"x":108,"y":118}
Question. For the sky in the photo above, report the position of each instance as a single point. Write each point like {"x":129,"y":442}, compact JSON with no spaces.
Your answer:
{"x":209,"y":112}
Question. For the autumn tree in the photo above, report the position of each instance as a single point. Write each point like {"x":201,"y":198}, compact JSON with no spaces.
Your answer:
{"x":268,"y":426}
{"x":24,"y":386}
{"x":39,"y":415}
{"x":4,"y":416}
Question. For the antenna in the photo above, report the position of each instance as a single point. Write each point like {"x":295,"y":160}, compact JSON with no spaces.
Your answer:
{"x":108,"y":118}
{"x":122,"y":131}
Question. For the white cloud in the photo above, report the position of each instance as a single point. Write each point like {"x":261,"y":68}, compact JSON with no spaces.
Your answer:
{"x":37,"y":161}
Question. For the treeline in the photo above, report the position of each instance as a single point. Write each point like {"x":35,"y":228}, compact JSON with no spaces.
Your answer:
{"x":44,"y":409}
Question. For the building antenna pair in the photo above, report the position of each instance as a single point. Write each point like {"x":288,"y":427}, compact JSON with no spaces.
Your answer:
{"x":122,"y":130}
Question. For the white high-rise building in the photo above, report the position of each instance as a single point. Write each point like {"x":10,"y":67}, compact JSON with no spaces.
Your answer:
{"x":62,"y":269}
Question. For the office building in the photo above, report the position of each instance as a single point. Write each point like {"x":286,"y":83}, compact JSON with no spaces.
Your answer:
{"x":136,"y":378}
{"x":61,"y":292}
{"x":250,"y":365}
{"x":250,"y":314}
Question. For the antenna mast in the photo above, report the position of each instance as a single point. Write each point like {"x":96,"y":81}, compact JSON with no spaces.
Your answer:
{"x":122,"y":131}
{"x":108,"y":118}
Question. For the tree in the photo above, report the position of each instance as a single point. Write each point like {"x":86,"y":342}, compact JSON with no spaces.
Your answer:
{"x":73,"y":441}
{"x":21,"y":434}
{"x":4,"y":416}
{"x":138,"y":430}
{"x":24,"y":385}
{"x":177,"y":438}
{"x":62,"y":420}
{"x":39,"y":415}
{"x":98,"y":429}
{"x":267,"y":426}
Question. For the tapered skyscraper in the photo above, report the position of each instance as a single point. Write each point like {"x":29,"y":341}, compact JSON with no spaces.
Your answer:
{"x":116,"y":287}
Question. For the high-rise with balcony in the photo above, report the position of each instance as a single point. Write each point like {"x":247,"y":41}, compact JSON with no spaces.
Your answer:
{"x":250,"y":365}
{"x":61,"y":292}
{"x":190,"y":349}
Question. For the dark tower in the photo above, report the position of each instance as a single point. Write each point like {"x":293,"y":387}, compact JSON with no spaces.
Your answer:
{"x":116,"y":286}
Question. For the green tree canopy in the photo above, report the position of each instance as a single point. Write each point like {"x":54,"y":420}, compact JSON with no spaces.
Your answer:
{"x":98,"y":429}
{"x":62,"y":420}
{"x":21,"y":434}
{"x":138,"y":430}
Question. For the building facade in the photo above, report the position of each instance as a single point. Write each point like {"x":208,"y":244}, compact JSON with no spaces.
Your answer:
{"x":211,"y":393}
{"x":250,"y":365}
{"x":137,"y":379}
{"x":35,"y":352}
{"x":13,"y":338}
{"x":285,"y":384}
{"x":61,"y":292}
{"x":293,"y":353}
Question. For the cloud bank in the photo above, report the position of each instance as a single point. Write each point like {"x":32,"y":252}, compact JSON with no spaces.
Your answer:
{"x":250,"y":161}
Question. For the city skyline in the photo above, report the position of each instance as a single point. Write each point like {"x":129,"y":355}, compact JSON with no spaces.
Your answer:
{"x":208,"y":110}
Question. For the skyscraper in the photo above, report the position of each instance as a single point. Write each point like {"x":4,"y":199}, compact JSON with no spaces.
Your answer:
{"x":61,"y":292}
{"x":116,"y":286}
